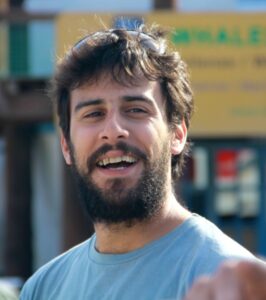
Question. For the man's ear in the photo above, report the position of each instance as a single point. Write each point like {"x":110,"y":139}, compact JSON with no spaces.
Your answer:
{"x":179,"y":138}
{"x":65,"y":149}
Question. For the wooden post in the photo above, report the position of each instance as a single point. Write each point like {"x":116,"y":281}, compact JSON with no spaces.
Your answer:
{"x":18,"y":241}
{"x":164,"y":4}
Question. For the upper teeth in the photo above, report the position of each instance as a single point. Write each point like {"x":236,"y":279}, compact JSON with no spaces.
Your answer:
{"x":112,"y":160}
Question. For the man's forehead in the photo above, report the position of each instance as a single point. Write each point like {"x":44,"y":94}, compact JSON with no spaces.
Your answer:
{"x":108,"y":84}
{"x":107,"y":79}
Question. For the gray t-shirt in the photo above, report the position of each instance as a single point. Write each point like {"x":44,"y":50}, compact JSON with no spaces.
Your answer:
{"x":163,"y":269}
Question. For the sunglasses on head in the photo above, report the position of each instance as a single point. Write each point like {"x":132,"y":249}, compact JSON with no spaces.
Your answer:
{"x":145,"y":40}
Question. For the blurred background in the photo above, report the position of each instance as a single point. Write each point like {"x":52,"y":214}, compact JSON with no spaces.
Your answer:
{"x":224,"y":44}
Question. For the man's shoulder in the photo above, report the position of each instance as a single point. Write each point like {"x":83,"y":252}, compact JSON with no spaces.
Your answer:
{"x":214,"y":240}
{"x":67,"y":256}
{"x":211,"y":246}
{"x":54,"y":269}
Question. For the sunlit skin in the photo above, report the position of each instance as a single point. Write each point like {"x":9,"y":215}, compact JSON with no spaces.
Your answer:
{"x":106,"y":113}
{"x":111,"y":114}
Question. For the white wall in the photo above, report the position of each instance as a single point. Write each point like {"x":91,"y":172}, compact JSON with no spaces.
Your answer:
{"x":206,"y":5}
{"x":221,"y":5}
{"x":89,"y":5}
{"x":47,"y":197}
{"x":252,"y":5}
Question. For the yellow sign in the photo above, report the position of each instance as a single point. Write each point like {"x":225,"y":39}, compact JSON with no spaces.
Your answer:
{"x":71,"y":27}
{"x":226,"y":54}
{"x":4,"y":5}
{"x":3,"y":49}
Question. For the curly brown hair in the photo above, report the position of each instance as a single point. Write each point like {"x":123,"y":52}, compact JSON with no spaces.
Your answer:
{"x":126,"y":55}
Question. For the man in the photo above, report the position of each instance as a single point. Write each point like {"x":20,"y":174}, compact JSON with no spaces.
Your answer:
{"x":124,"y":104}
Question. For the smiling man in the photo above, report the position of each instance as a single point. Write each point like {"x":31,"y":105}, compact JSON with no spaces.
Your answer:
{"x":123,"y":167}
{"x":124,"y":104}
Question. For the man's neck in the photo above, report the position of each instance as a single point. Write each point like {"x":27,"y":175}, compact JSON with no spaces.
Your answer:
{"x":121,"y":238}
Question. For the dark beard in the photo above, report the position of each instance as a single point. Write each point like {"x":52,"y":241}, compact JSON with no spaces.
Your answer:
{"x":117,"y":205}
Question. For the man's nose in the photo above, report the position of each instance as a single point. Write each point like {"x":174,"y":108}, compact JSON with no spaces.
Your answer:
{"x":114,"y":128}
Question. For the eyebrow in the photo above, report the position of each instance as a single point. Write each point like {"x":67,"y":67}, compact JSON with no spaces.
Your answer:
{"x":89,"y":102}
{"x":137,"y":98}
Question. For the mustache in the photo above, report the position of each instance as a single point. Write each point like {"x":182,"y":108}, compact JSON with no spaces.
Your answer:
{"x":119,"y":146}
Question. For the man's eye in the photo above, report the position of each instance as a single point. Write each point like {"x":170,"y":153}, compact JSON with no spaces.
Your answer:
{"x":93,"y":114}
{"x":136,"y":110}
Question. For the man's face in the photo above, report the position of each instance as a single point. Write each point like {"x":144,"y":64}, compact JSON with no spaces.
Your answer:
{"x":120,"y":149}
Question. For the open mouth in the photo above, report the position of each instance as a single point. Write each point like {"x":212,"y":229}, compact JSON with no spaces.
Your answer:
{"x":116,"y":162}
